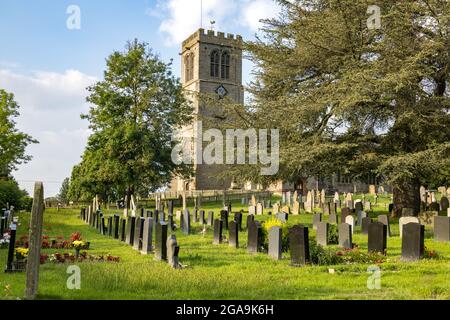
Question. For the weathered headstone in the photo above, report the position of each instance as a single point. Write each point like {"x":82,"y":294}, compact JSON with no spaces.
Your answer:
{"x":102,"y":226}
{"x":202,"y":217}
{"x":444,"y":203}
{"x":322,"y":233}
{"x":131,"y":225}
{"x":413,"y":241}
{"x":384,"y":219}
{"x":333,"y":219}
{"x":365,"y":223}
{"x":296,"y":208}
{"x":377,"y":238}
{"x":317,"y":218}
{"x":299,"y":245}
{"x":238,"y":220}
{"x":210,"y":218}
{"x":138,"y":233}
{"x":441,"y":228}
{"x":123,"y":232}
{"x":35,"y":241}
{"x":345,"y":236}
{"x":110,"y":226}
{"x":367,"y":206}
{"x":170,"y":207}
{"x":351,"y":221}
{"x":276,"y":208}
{"x":252,"y":210}
{"x":195,"y":215}
{"x":275,"y":244}
{"x":254,"y":237}
{"x":233,"y":234}
{"x":147,"y":236}
{"x":404,"y":220}
{"x":173,"y":250}
{"x":259,"y":209}
{"x":250,"y":219}
{"x":282,"y":216}
{"x":186,"y":225}
{"x":160,"y":240}
{"x":345,"y":212}
{"x":224,"y":218}
{"x":358,"y":206}
{"x":116,"y":226}
{"x":218,"y":228}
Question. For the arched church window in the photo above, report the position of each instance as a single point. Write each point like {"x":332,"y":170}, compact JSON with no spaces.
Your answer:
{"x":214,"y":72}
{"x":225,"y":65}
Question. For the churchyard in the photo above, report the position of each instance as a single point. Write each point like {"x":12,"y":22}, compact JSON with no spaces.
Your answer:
{"x":146,"y":265}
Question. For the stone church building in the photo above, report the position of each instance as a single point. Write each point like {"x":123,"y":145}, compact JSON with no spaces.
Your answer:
{"x":211,"y":63}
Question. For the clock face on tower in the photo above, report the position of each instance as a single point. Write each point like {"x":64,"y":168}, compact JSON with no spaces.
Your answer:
{"x":221,"y":91}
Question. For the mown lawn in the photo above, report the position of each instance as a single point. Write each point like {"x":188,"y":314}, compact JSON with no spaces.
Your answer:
{"x":220,"y":272}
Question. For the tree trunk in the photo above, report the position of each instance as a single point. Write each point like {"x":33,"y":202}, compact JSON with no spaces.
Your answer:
{"x":406,"y":195}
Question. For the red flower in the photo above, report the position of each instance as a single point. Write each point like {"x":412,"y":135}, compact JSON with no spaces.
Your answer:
{"x":45,"y":245}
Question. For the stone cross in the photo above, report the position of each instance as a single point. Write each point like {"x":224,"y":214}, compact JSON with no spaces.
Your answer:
{"x":35,"y":238}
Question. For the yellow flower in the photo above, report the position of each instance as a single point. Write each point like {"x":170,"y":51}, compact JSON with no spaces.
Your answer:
{"x":22,"y":251}
{"x":78,"y":243}
{"x":273,"y":222}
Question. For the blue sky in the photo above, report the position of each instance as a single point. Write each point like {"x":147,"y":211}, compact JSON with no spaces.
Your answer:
{"x":48,"y":66}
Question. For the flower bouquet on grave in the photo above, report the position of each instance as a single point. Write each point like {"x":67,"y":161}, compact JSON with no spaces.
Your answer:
{"x":21,"y":257}
{"x":78,"y":245}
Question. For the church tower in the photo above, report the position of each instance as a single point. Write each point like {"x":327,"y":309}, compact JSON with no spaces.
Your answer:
{"x":210,"y":63}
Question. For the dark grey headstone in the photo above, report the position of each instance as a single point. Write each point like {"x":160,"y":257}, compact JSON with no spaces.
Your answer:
{"x":250,"y":219}
{"x":360,"y":215}
{"x":322,"y":233}
{"x":202,"y":217}
{"x":131,"y":225}
{"x":359,"y":206}
{"x":139,"y":228}
{"x":195,"y":215}
{"x":156,"y":216}
{"x":116,"y":226}
{"x":333,"y":219}
{"x":384,"y":219}
{"x":160,"y":240}
{"x":224,"y":218}
{"x":299,"y":245}
{"x":173,"y":250}
{"x":391,"y":207}
{"x":413,"y":241}
{"x":254,"y":237}
{"x":170,"y":222}
{"x":149,"y":214}
{"x":282,"y":216}
{"x":218,"y":226}
{"x":444,"y":203}
{"x":377,"y":237}
{"x":441,"y":228}
{"x":210,"y":218}
{"x":123,"y":231}
{"x":142,"y":212}
{"x":365,"y":225}
{"x":170,"y":207}
{"x":233,"y":234}
{"x":275,"y":244}
{"x":147,"y":235}
{"x":238,"y":220}
{"x":102,"y":226}
{"x":317,"y":218}
{"x":345,"y":236}
{"x":110,"y":226}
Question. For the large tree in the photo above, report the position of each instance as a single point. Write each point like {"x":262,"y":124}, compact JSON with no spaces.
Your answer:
{"x":134,"y":112}
{"x":12,"y":142}
{"x":354,"y":99}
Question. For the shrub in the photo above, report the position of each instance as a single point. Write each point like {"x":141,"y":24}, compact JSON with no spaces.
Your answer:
{"x":333,"y":234}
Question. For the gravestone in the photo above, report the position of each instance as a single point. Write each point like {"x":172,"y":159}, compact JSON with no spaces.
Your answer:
{"x":238,"y":220}
{"x":123,"y":232}
{"x":326,"y":208}
{"x":233,"y":234}
{"x":202,"y":217}
{"x":210,"y":218}
{"x":195,"y":215}
{"x":110,"y":226}
{"x":333,"y":207}
{"x":317,"y":218}
{"x":332,"y":219}
{"x":160,"y":240}
{"x":350,"y":220}
{"x":147,"y":236}
{"x":404,"y":220}
{"x":276,"y":208}
{"x":286,"y":209}
{"x":365,"y":225}
{"x":444,"y":203}
{"x":250,"y":219}
{"x":35,"y":242}
{"x":361,"y":215}
{"x":103,"y":226}
{"x":224,"y":218}
{"x":259,"y":209}
{"x":413,"y":241}
{"x":170,"y":222}
{"x":275,"y":244}
{"x":149,"y":214}
{"x":131,"y":225}
{"x":170,"y":207}
{"x":358,"y":206}
{"x":345,"y":212}
{"x":296,"y":208}
{"x":156,"y":216}
{"x":345,"y":236}
{"x":116,"y":226}
{"x":367,"y":206}
{"x":299,"y":245}
{"x":349,"y":204}
{"x":186,"y":225}
{"x":441,"y":228}
{"x":391,"y":207}
{"x":173,"y":250}
{"x":282,"y":216}
{"x":322,"y":233}
{"x":377,"y":237}
{"x":384,"y":219}
{"x":218,"y":228}
{"x":254,"y":237}
{"x":252,"y":210}
{"x":138,"y":232}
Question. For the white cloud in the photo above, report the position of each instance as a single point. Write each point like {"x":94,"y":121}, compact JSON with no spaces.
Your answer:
{"x":180,"y":18}
{"x":50,"y":108}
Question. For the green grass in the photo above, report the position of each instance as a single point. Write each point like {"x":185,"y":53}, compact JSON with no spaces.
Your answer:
{"x":220,"y":272}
